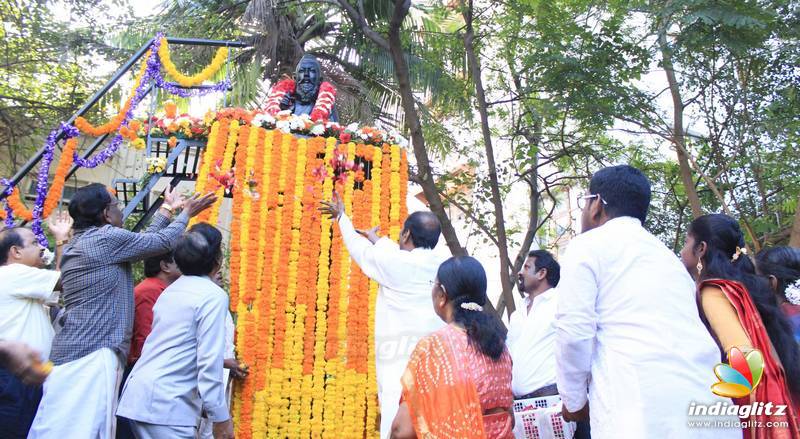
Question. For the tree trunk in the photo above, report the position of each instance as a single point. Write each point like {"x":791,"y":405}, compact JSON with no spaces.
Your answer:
{"x":497,"y":201}
{"x":678,"y":136}
{"x":394,"y":46}
{"x":413,"y":123}
{"x":794,"y":238}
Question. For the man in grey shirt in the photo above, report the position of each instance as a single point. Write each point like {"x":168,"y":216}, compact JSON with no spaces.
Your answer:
{"x":90,"y":349}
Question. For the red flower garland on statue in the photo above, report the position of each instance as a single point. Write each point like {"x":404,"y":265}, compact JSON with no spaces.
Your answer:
{"x":324,"y":105}
{"x":322,"y":108}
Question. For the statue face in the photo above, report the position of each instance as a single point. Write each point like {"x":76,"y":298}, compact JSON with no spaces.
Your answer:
{"x":307,"y":75}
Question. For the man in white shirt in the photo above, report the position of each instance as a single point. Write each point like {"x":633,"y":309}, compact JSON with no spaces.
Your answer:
{"x":403,"y":309}
{"x":627,"y":325}
{"x":531,"y":330}
{"x":26,"y":287}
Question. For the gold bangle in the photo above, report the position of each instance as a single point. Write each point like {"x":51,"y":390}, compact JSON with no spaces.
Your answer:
{"x":61,"y":242}
{"x":167,"y":208}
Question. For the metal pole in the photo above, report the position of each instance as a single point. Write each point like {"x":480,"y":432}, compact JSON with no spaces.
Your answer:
{"x":28,"y":166}
{"x":204,"y":42}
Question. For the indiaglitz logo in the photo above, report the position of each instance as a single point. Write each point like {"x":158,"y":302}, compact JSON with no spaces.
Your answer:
{"x":740,"y":376}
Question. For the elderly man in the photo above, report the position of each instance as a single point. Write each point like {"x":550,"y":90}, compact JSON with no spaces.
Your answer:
{"x":403,"y":309}
{"x":26,"y":287}
{"x":90,"y":350}
{"x":308,"y":79}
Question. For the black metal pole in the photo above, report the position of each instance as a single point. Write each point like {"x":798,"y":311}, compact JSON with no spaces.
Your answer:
{"x":28,"y":166}
{"x":203,"y":42}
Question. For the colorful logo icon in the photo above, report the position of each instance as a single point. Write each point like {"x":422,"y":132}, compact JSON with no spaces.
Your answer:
{"x":740,"y":376}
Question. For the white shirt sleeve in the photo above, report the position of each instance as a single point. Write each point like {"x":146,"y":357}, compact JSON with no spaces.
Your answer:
{"x":375,"y":260}
{"x":576,"y":325}
{"x":210,"y":353}
{"x":34,"y":283}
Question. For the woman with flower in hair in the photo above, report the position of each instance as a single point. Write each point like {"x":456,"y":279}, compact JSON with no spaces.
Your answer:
{"x":741,"y":311}
{"x":458,"y":380}
{"x":781,"y":266}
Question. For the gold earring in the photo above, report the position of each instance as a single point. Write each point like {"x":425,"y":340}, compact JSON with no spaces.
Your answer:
{"x":699,"y":266}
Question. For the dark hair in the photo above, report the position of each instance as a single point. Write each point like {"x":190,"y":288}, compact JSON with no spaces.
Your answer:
{"x":199,"y":251}
{"x":722,"y":235}
{"x":545,"y":260}
{"x":781,"y":262}
{"x":424,"y":228}
{"x":152,"y":266}
{"x":464,"y":281}
{"x":625,"y":189}
{"x":9,"y":238}
{"x":87,"y":205}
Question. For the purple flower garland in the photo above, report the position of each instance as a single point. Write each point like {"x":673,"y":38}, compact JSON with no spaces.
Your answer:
{"x":69,"y":132}
{"x":9,"y":221}
{"x":152,"y":73}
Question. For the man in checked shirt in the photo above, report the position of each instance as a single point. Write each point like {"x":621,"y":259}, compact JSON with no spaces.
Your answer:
{"x":89,"y":352}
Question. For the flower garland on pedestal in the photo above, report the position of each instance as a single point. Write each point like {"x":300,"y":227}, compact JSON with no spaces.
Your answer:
{"x":323,"y":106}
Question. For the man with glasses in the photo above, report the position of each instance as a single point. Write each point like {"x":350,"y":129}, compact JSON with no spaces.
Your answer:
{"x":627,"y":326}
{"x":27,"y":286}
{"x":403,"y":310}
{"x":90,"y":350}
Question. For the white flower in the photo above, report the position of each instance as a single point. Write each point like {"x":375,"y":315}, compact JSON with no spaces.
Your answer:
{"x":296,"y":123}
{"x":47,"y":256}
{"x":353,"y":127}
{"x":284,"y":125}
{"x":318,"y":130}
{"x":263,"y":119}
{"x":793,"y":292}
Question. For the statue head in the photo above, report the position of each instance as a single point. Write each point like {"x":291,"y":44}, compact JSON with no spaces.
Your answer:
{"x":308,"y":77}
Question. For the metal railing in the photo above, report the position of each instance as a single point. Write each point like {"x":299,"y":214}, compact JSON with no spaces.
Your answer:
{"x":33,"y":161}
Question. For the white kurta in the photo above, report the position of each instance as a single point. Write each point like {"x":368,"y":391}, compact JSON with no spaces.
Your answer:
{"x":628,"y":329}
{"x":23,"y":316}
{"x":531,"y":342}
{"x":403,"y":310}
{"x":179,"y":374}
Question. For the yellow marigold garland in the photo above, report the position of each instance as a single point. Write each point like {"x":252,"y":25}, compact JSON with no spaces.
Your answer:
{"x":295,"y":305}
{"x":191,"y":81}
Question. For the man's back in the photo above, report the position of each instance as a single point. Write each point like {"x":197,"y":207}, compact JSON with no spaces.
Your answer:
{"x":652,"y":355}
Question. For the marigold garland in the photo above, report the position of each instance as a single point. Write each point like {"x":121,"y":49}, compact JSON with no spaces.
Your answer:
{"x":305,"y":313}
{"x":56,"y":188}
{"x":191,"y":81}
{"x":113,"y":124}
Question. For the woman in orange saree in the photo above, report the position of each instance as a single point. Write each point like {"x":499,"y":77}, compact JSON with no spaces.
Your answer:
{"x":458,"y":381}
{"x":741,"y":311}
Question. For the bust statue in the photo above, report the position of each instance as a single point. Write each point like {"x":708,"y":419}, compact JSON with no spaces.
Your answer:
{"x":306,"y":94}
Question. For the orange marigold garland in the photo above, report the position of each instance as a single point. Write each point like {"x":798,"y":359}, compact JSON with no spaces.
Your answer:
{"x":307,"y":331}
{"x":56,"y":188}
{"x":113,"y":125}
{"x":215,"y":149}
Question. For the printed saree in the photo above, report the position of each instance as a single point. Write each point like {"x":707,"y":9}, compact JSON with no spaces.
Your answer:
{"x":448,"y":387}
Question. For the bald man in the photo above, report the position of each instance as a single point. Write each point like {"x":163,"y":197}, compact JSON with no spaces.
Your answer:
{"x":403,"y":309}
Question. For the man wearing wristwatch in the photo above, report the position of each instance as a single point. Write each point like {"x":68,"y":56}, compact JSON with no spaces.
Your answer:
{"x":90,"y":350}
{"x":27,"y":287}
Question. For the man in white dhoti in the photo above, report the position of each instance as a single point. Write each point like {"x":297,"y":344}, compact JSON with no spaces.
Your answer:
{"x":403,"y":310}
{"x":80,"y":395}
{"x":627,"y":326}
